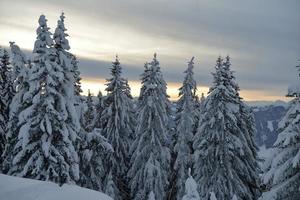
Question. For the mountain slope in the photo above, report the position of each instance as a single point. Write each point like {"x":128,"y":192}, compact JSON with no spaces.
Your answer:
{"x":266,"y":120}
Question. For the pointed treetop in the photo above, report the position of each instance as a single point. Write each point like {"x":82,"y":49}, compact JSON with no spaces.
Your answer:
{"x":227,"y":62}
{"x":62,"y":16}
{"x":42,"y":20}
{"x":227,"y":58}
{"x":99,"y":94}
{"x":192,"y":60}
{"x":191,"y":63}
{"x":146,"y":65}
{"x":117,"y":58}
{"x":154,"y":56}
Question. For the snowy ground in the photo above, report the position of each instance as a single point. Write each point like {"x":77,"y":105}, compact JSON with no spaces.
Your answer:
{"x":13,"y":188}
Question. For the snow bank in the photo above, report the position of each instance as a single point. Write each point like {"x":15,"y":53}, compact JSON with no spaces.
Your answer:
{"x":14,"y":188}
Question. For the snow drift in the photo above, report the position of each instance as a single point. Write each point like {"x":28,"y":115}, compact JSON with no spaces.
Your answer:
{"x":14,"y":188}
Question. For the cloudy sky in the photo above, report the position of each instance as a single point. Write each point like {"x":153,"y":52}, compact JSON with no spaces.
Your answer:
{"x":262,"y":38}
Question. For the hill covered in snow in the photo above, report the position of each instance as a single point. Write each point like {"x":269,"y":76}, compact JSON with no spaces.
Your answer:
{"x":267,"y":117}
{"x":14,"y":188}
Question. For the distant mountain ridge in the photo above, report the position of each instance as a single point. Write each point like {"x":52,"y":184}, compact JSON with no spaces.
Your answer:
{"x":267,"y":116}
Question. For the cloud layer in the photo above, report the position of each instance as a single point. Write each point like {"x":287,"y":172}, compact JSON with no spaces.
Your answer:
{"x":262,"y":37}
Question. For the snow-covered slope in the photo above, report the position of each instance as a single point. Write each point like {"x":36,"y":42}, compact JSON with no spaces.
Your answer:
{"x":14,"y":188}
{"x":266,"y":120}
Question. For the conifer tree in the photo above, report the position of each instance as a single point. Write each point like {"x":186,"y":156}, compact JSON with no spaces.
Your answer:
{"x":150,"y":155}
{"x":118,"y":124}
{"x":45,"y":148}
{"x":191,"y":192}
{"x":69,"y":69}
{"x":283,"y":175}
{"x":89,"y":115}
{"x":20,"y":77}
{"x":6,"y":95}
{"x":185,"y":128}
{"x":225,"y":157}
{"x":99,"y":107}
{"x":94,"y":147}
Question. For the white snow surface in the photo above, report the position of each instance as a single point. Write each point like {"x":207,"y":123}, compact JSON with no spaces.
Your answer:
{"x":270,"y":125}
{"x":15,"y":188}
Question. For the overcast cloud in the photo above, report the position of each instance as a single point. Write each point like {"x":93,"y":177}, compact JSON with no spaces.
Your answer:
{"x":262,"y":37}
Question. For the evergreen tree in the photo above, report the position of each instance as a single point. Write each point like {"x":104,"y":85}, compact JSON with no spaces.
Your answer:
{"x":99,"y":107}
{"x":94,"y":147}
{"x":185,"y":128}
{"x":45,"y":148}
{"x":6,"y":95}
{"x":66,"y":61}
{"x":191,"y":192}
{"x":118,"y":119}
{"x":89,"y":115}
{"x":20,"y":76}
{"x":150,"y":154}
{"x":225,"y":153}
{"x":283,"y":175}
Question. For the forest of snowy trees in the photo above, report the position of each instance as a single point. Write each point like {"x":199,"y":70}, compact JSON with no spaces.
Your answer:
{"x":147,"y":148}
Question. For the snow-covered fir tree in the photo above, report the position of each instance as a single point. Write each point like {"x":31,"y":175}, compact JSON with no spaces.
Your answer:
{"x":20,"y":76}
{"x":94,"y":147}
{"x":225,"y":153}
{"x":191,"y":187}
{"x":150,"y":154}
{"x":185,"y":128}
{"x":6,"y":95}
{"x":118,"y":124}
{"x":89,"y":115}
{"x":70,"y":72}
{"x":283,"y":175}
{"x":99,"y":107}
{"x":45,"y":148}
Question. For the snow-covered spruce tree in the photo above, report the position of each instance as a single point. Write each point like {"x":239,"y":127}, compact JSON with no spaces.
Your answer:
{"x":45,"y":149}
{"x":68,"y":63}
{"x":89,"y":115}
{"x":161,"y":83}
{"x":6,"y":95}
{"x":185,"y":128}
{"x":94,"y":147}
{"x":19,"y":101}
{"x":225,"y":155}
{"x":191,"y":187}
{"x":283,"y":175}
{"x":150,"y":154}
{"x":99,"y":107}
{"x":118,"y":125}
